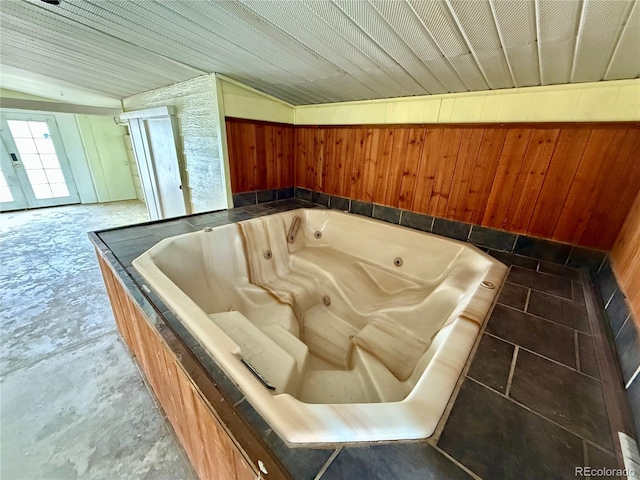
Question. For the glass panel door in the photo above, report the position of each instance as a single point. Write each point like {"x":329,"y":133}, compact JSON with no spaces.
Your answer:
{"x":11,"y":195}
{"x":39,"y":160}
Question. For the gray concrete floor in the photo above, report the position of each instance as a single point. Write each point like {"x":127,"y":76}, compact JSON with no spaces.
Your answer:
{"x":72,"y":402}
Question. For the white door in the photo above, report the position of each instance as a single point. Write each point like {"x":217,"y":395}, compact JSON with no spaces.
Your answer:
{"x":11,"y":194}
{"x":166,"y":166}
{"x":154,"y":138}
{"x":38,"y":159}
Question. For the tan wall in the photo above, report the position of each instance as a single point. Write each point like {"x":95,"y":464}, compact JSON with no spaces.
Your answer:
{"x":587,"y":102}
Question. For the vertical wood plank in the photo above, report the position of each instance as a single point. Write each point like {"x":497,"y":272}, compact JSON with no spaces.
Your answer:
{"x":358,"y":165}
{"x":602,"y":149}
{"x":341,"y":140}
{"x":346,"y":174}
{"x":616,"y":196}
{"x":318,"y":147}
{"x":411,"y":167}
{"x":427,"y":171}
{"x":331,"y":149}
{"x":301,"y":158}
{"x":484,"y":173}
{"x":371,"y":163}
{"x":271,"y":133}
{"x":513,"y":150}
{"x":383,"y":165}
{"x":311,"y":159}
{"x":532,"y":171}
{"x":470,"y":141}
{"x":261,"y":167}
{"x":444,"y":174}
{"x":557,"y":181}
{"x":625,"y":256}
{"x":396,"y":167}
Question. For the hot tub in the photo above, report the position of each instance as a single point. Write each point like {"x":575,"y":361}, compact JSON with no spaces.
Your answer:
{"x":337,"y":328}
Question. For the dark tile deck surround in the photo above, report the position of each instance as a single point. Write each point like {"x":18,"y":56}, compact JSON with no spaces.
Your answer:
{"x":531,"y":404}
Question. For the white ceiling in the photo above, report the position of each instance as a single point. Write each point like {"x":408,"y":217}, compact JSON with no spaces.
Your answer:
{"x":316,"y":51}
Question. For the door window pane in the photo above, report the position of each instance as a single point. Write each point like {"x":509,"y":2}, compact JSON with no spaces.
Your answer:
{"x":54,"y":175}
{"x":39,"y":129}
{"x":50,"y":161}
{"x":19,"y":129}
{"x":59,"y":190}
{"x":5,"y":193}
{"x":37,"y":177}
{"x":42,"y":191}
{"x":25,"y":146}
{"x":31,"y":161}
{"x":45,"y":145}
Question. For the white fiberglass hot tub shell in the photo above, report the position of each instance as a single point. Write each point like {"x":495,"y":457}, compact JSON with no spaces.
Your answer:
{"x":362,"y":328}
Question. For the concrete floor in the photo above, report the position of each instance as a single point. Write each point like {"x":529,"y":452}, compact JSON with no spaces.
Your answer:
{"x":72,"y":402}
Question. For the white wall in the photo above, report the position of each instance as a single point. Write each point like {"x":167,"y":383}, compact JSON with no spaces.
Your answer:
{"x":105,"y":150}
{"x":587,"y":102}
{"x":135,"y":173}
{"x":197,"y":112}
{"x":74,"y":149}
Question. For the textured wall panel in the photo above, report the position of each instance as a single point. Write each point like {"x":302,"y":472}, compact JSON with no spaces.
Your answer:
{"x":197,"y":111}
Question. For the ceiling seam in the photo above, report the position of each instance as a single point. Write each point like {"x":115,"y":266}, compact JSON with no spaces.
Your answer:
{"x":247,"y":52}
{"x":458,"y":26}
{"x":378,"y":45}
{"x":630,"y":9}
{"x":203,"y":46}
{"x":435,"y":44}
{"x":502,"y":44}
{"x":578,"y":36}
{"x":319,"y":92}
{"x":413,"y":52}
{"x":306,"y":47}
{"x":301,"y":88}
{"x":373,"y":62}
{"x":536,"y":18}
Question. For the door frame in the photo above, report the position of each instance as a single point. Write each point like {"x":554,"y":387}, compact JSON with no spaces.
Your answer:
{"x":50,"y":120}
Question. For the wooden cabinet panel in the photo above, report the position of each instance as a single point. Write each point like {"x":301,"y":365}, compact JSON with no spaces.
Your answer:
{"x":212,"y":452}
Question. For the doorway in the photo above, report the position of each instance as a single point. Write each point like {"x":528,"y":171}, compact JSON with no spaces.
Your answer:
{"x":35,"y":171}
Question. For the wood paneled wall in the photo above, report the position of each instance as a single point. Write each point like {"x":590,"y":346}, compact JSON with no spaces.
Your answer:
{"x":572,"y":183}
{"x":625,"y":256}
{"x":260,"y":154}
